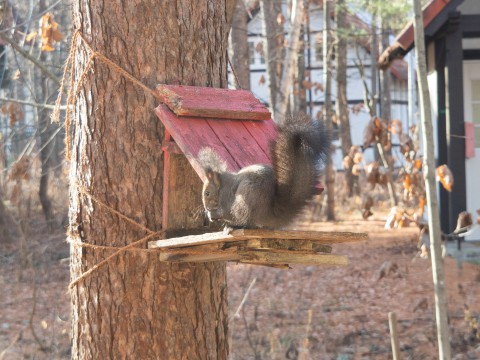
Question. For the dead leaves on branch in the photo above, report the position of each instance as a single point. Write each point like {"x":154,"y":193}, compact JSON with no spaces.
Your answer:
{"x":20,"y":169}
{"x":353,"y":160}
{"x":377,"y":131}
{"x":377,"y":174}
{"x":49,"y":33}
{"x":445,"y":176}
{"x":14,"y":111}
{"x":399,"y":218}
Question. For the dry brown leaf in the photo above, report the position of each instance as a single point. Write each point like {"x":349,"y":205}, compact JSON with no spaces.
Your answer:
{"x":376,"y":129}
{"x":421,"y":206}
{"x":407,"y":183}
{"x":262,"y":80}
{"x":280,"y":19}
{"x":347,"y":162}
{"x":445,"y":176}
{"x":357,"y":108}
{"x":418,"y":164}
{"x":14,"y":112}
{"x":396,"y":127}
{"x":50,"y":32}
{"x":19,"y":170}
{"x":307,"y":84}
{"x":356,"y":170}
{"x":358,"y":158}
{"x":259,"y":47}
{"x":317,"y":87}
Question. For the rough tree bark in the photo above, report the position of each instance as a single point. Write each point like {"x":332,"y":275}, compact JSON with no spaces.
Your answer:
{"x":46,"y":130}
{"x":135,"y":307}
{"x":291,"y":53}
{"x":274,"y":51}
{"x":299,"y":95}
{"x":341,"y":103}
{"x":386,"y":98}
{"x":239,"y":45}
{"x":327,"y":106}
{"x":430,"y":187}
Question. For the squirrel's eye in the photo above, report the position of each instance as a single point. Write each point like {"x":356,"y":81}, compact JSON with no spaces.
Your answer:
{"x":207,"y":193}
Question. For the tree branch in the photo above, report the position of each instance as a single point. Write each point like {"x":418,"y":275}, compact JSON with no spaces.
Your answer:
{"x":23,"y":102}
{"x":29,"y":57}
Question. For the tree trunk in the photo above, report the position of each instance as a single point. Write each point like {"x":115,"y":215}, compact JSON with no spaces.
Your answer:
{"x":136,"y":307}
{"x":47,"y":145}
{"x":430,"y":187}
{"x":239,"y":42}
{"x":291,"y":53}
{"x":275,"y":51}
{"x":341,"y":104}
{"x":327,"y":107}
{"x":386,"y":99}
{"x":373,"y":68}
{"x":299,"y":100}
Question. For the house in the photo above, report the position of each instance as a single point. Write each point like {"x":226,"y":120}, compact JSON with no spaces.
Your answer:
{"x":452,"y":36}
{"x":358,"y":52}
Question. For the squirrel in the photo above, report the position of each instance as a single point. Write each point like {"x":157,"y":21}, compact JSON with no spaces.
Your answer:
{"x":263,"y":196}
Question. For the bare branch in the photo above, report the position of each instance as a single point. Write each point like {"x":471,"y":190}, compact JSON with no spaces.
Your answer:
{"x":29,"y":57}
{"x":23,"y":102}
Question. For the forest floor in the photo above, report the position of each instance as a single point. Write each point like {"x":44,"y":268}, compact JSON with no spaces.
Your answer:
{"x":338,"y":313}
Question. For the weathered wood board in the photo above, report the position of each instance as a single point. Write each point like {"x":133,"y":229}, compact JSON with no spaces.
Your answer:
{"x":244,"y":234}
{"x":276,"y":248}
{"x":197,"y":101}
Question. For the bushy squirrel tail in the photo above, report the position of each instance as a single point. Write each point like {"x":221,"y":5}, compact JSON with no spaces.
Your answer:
{"x":302,"y":144}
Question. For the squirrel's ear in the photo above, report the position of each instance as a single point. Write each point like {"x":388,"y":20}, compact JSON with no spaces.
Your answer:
{"x":216,"y":178}
{"x":213,"y":176}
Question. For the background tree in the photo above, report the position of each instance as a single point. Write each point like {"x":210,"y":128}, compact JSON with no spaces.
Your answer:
{"x":341,"y":103}
{"x":435,"y":234}
{"x":239,"y":45}
{"x":136,"y":307}
{"x":327,"y":107}
{"x":273,"y":21}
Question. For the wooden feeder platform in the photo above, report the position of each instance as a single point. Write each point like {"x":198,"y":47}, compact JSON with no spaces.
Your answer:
{"x":277,"y":248}
{"x":239,"y":128}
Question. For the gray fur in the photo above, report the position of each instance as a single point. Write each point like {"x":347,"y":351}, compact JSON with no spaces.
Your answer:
{"x":261,"y":196}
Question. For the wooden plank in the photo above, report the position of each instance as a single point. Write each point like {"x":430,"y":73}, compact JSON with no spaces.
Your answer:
{"x":266,"y":257}
{"x":198,"y":254}
{"x":244,"y":234}
{"x":196,"y":101}
{"x":193,"y":135}
{"x":319,"y":236}
{"x":194,"y":240}
{"x":275,"y":266}
{"x":238,"y":141}
{"x":285,"y":245}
